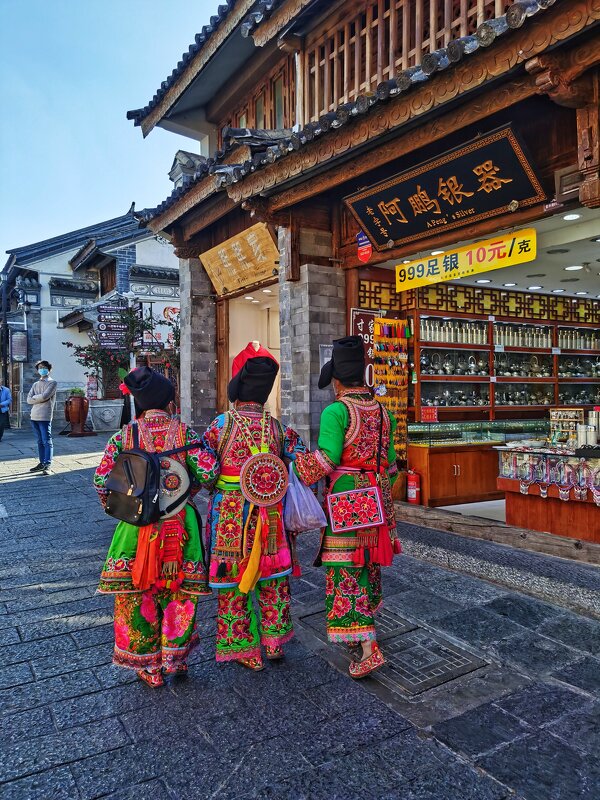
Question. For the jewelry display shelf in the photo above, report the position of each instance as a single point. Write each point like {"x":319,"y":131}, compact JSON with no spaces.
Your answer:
{"x":491,"y":332}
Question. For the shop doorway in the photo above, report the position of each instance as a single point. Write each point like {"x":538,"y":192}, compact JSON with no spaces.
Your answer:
{"x":254,"y":317}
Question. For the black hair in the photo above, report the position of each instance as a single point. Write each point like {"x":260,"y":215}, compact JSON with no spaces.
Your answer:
{"x":46,"y":364}
{"x":352,"y":384}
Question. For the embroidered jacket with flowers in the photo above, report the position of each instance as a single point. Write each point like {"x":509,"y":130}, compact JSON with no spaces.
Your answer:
{"x":347,"y":451}
{"x":230,"y":534}
{"x":202,"y":464}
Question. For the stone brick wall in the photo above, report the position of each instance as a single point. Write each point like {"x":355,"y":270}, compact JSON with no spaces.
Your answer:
{"x":125,"y":260}
{"x":312,"y":312}
{"x":198,"y":386}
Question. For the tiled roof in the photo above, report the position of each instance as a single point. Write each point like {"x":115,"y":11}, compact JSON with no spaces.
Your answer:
{"x":156,"y":273}
{"x":200,"y":40}
{"x":105,"y":234}
{"x":262,"y":12}
{"x":270,"y":146}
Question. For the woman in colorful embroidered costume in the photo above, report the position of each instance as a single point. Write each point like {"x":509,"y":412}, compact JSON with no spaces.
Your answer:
{"x":245,"y":533}
{"x":156,"y":572}
{"x":349,"y":440}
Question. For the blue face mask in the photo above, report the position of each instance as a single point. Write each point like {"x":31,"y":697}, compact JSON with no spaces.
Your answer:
{"x":43,"y":371}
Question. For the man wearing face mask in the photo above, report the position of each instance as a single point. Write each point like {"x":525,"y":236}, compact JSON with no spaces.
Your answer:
{"x":42,"y":397}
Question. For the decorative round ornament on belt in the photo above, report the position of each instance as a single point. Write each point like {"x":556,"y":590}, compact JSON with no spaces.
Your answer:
{"x":264,"y":479}
{"x":174,"y":487}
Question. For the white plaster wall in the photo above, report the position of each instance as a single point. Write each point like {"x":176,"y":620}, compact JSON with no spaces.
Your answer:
{"x":151,"y":253}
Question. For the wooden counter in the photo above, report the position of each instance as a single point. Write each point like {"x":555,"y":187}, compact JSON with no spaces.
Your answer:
{"x":456,"y":473}
{"x":578,"y":519}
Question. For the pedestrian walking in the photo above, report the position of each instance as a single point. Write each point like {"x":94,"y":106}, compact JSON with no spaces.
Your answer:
{"x":42,"y":397}
{"x":157,"y":572}
{"x":356,"y":455}
{"x":249,"y":549}
{"x":5,"y":404}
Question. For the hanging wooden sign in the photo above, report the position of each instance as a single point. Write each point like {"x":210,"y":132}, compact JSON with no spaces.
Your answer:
{"x":484,"y":178}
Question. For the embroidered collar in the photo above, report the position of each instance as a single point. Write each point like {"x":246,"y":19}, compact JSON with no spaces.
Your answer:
{"x":156,"y":414}
{"x":357,"y":393}
{"x":244,"y":408}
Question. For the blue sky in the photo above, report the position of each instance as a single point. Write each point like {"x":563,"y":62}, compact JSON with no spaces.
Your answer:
{"x":69,"y":71}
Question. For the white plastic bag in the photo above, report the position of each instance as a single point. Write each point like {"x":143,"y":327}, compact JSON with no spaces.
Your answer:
{"x":302,"y":510}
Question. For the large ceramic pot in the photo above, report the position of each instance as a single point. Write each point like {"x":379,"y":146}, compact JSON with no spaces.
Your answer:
{"x":76,"y":409}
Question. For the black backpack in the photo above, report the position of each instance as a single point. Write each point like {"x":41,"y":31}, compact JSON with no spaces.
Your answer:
{"x":134,"y":484}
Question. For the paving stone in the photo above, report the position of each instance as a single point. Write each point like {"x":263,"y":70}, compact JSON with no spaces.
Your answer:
{"x":45,"y":752}
{"x":9,"y":636}
{"x":39,"y":599}
{"x":480,"y":730}
{"x":584,"y":674}
{"x":422,"y":605}
{"x":26,"y":651}
{"x":15,"y":675}
{"x":534,"y":653}
{"x":151,"y":790}
{"x":478,"y":626}
{"x":41,"y":693}
{"x":543,"y":768}
{"x":26,"y":725}
{"x":450,"y":783}
{"x":77,"y":622}
{"x":325,"y":783}
{"x":112,"y":772}
{"x":62,"y":610}
{"x":110,"y":675}
{"x":541,"y":703}
{"x":103,"y":634}
{"x":54,"y":784}
{"x":101,"y":704}
{"x":576,"y":631}
{"x":524,"y":610}
{"x":465,"y":590}
{"x":71,"y":660}
{"x":580,"y":730}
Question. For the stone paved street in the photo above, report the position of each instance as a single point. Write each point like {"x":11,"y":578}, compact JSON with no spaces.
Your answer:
{"x":515,"y":712}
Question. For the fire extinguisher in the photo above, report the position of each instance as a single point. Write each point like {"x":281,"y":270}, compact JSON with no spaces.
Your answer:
{"x":413,"y":484}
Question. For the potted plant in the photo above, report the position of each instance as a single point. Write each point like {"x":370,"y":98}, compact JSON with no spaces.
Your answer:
{"x":76,"y":410}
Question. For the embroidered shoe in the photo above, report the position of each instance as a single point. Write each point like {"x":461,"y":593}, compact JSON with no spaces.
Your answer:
{"x":180,"y":670}
{"x":255,"y":663}
{"x":274,"y":653}
{"x":360,"y":669}
{"x":153,"y":679}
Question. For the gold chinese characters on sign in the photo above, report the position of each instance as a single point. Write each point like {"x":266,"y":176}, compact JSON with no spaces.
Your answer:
{"x":501,"y":251}
{"x":245,"y":259}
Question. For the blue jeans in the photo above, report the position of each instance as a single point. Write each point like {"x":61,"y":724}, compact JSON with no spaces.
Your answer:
{"x":43,"y":434}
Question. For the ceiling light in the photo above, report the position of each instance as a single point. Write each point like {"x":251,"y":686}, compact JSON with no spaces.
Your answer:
{"x":248,"y":297}
{"x":535,"y":287}
{"x":571,"y":217}
{"x":580,"y":292}
{"x":267,"y":291}
{"x":574,"y":268}
{"x":597,"y":240}
{"x":574,"y":301}
{"x":256,"y":301}
{"x":557,"y":291}
{"x":437,"y":252}
{"x":483,"y":280}
{"x":509,"y":284}
{"x":406,"y":261}
{"x":554,"y":250}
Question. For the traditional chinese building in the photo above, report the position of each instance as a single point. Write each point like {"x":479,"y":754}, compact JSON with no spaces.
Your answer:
{"x":348,"y":156}
{"x":58,"y":284}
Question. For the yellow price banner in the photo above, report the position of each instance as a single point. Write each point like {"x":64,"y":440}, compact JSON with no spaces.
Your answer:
{"x":501,"y":251}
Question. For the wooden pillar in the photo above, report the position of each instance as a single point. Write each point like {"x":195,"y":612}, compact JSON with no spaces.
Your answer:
{"x":222,"y":354}
{"x":588,"y":137}
{"x":351,"y":276}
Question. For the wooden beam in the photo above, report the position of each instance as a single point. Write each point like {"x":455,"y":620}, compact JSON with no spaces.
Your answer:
{"x":222,"y":353}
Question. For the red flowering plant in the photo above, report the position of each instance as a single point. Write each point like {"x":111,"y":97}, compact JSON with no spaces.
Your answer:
{"x":99,"y":361}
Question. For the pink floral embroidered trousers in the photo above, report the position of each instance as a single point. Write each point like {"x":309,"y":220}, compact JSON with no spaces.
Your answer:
{"x":154,"y":630}
{"x":241,"y":631}
{"x":352,"y":598}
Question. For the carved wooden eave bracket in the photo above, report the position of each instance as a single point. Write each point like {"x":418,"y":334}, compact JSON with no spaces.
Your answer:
{"x":270,"y":28}
{"x":576,"y":84}
{"x":558,"y":24}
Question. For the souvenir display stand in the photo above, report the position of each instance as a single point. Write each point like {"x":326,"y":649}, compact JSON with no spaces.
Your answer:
{"x":390,"y":373}
{"x":551,"y":489}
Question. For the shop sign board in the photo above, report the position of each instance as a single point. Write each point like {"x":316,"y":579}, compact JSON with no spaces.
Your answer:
{"x":18,"y":346}
{"x":362,"y":323}
{"x":364,"y":248}
{"x":484,"y":178}
{"x":508,"y":250}
{"x":245,"y":259}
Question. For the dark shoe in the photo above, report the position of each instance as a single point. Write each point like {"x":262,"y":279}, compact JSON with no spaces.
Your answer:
{"x":46,"y":470}
{"x":38,"y":467}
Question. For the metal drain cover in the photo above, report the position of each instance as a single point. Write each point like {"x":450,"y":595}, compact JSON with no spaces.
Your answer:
{"x":417,"y":660}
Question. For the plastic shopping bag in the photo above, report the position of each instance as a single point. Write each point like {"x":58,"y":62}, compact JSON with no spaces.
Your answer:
{"x":302,"y":510}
